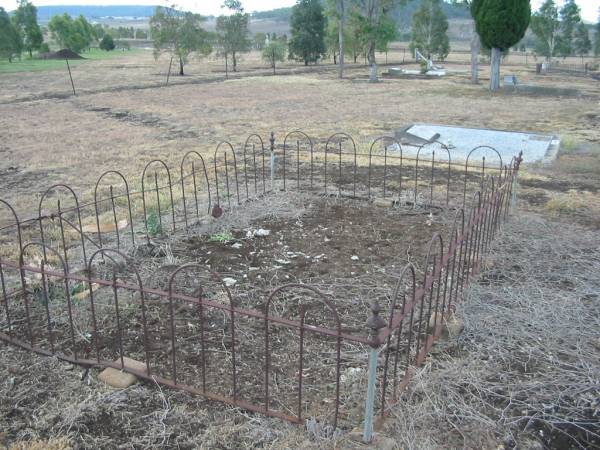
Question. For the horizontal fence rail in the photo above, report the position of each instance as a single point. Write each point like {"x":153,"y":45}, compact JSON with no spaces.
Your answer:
{"x":72,"y":287}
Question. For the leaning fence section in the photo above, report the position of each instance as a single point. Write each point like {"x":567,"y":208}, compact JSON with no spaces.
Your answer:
{"x":70,"y":284}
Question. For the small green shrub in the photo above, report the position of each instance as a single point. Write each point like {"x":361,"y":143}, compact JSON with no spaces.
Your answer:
{"x":153,"y":223}
{"x":223,"y":237}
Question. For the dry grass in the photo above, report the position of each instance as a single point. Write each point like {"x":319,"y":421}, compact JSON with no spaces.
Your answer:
{"x":73,"y":140}
{"x":525,"y":372}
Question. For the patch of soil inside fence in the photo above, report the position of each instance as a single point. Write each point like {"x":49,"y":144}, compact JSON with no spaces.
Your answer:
{"x":352,"y":251}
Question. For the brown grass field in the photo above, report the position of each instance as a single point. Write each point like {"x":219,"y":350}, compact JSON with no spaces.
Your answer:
{"x":123,"y":116}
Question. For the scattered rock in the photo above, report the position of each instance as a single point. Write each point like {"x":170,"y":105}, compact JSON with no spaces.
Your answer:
{"x":453,"y":325}
{"x":119,"y":379}
{"x":383,"y":202}
{"x":86,"y":292}
{"x":261,"y":232}
{"x":229,"y":281}
{"x":105,"y":227}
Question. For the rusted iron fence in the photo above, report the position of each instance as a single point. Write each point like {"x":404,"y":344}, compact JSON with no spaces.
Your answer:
{"x":70,"y":284}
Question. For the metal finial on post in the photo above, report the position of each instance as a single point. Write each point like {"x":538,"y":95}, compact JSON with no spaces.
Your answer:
{"x":515,"y":181}
{"x":375,"y":323}
{"x":272,"y":140}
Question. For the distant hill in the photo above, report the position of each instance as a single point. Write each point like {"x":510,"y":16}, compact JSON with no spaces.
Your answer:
{"x":96,"y":11}
{"x":275,"y":20}
{"x":403,"y":15}
{"x":279,"y":14}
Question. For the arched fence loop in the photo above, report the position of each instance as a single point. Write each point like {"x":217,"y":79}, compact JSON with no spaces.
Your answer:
{"x":43,"y":273}
{"x":303,"y":328}
{"x":112,"y":199}
{"x":194,"y":180}
{"x":257,"y":170}
{"x":14,"y":223}
{"x":387,"y":142}
{"x":431,"y":146}
{"x":153,"y":218}
{"x":226,"y":175}
{"x":61,"y":221}
{"x":339,"y":138}
{"x":283,"y":352}
{"x":300,"y":136}
{"x":101,"y":253}
{"x":397,"y":322}
{"x":481,"y":148}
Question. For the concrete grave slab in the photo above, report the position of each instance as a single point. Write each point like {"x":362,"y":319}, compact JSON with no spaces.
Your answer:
{"x":461,"y":140}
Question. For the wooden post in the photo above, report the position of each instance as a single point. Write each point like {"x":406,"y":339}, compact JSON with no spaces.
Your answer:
{"x":169,"y":72}
{"x":70,"y":76}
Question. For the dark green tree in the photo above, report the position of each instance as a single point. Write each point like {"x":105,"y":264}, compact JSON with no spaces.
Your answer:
{"x":179,"y":33}
{"x":232,"y":31}
{"x":581,"y":40}
{"x":500,"y":25}
{"x":430,"y":30}
{"x":546,"y":27}
{"x":107,"y":43}
{"x":569,"y":19}
{"x":25,"y":21}
{"x":308,"y":31}
{"x":11,"y":43}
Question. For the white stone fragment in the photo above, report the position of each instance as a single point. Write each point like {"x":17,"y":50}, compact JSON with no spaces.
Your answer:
{"x":229,"y":281}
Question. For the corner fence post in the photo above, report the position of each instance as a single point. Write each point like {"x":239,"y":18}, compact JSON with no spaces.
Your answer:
{"x":272,"y":140}
{"x":515,"y":183}
{"x":375,"y":323}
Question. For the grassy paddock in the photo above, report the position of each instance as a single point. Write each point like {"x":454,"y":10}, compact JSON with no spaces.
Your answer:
{"x":27,"y":64}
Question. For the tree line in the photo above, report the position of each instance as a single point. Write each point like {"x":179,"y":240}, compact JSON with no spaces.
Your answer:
{"x":340,"y":28}
{"x":21,"y":33}
{"x":561,"y":32}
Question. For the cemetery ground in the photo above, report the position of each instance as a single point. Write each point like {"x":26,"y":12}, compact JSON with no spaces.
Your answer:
{"x":518,"y":375}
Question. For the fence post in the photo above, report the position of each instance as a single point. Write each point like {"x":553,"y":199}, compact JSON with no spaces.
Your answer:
{"x":375,"y":323}
{"x":272,"y":140}
{"x":515,"y":182}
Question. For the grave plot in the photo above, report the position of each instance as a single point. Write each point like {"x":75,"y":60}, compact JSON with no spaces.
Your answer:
{"x":262,"y":279}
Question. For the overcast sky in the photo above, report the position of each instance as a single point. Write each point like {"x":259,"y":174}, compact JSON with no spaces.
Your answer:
{"x":589,"y":8}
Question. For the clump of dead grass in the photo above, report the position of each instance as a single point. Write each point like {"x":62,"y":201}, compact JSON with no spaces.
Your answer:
{"x":525,"y":373}
{"x":572,"y":201}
